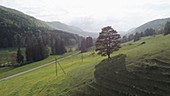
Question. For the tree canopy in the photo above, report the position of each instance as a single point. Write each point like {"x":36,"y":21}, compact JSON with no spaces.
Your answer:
{"x":108,"y":41}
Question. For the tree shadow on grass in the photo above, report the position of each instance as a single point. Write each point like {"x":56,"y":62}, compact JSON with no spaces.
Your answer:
{"x":112,"y":79}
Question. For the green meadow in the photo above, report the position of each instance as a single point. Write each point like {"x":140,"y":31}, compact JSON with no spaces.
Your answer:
{"x":8,"y":71}
{"x":79,"y":72}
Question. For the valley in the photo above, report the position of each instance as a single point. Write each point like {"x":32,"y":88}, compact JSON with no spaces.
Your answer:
{"x":84,"y":48}
{"x":153,"y":59}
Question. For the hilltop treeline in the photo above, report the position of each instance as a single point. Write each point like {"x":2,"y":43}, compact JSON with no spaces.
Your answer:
{"x":147,"y":32}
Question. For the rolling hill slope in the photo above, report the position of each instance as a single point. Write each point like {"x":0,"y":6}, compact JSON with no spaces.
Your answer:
{"x":146,"y":73}
{"x":141,"y":70}
{"x":157,"y":25}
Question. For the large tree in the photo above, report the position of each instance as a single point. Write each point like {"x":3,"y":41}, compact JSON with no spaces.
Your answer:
{"x":108,"y":41}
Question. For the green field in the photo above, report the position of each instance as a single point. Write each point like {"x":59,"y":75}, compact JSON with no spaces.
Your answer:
{"x":46,"y":78}
{"x":80,"y":73}
{"x":7,"y":71}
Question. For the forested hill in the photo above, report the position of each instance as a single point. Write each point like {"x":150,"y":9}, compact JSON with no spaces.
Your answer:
{"x":13,"y":18}
{"x":157,"y":25}
{"x":16,"y":29}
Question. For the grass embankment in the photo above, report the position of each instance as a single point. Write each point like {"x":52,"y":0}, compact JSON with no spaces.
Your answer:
{"x":43,"y":82}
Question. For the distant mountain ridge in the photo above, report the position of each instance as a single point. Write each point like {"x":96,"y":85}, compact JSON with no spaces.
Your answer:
{"x":72,"y":29}
{"x":157,"y":25}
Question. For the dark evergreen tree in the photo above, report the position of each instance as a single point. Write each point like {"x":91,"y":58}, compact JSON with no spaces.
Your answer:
{"x":4,"y":43}
{"x":124,"y":39}
{"x":59,"y":47}
{"x":137,"y":37}
{"x":18,"y":40}
{"x":62,"y":48}
{"x":20,"y":57}
{"x":89,"y":42}
{"x":108,"y":41}
{"x":29,"y":53}
{"x":56,"y":47}
{"x":42,"y":49}
{"x":149,"y":32}
{"x":52,"y":44}
{"x":130,"y":37}
{"x":141,"y":34}
{"x":36,"y":50}
{"x":167,"y":28}
{"x":83,"y":45}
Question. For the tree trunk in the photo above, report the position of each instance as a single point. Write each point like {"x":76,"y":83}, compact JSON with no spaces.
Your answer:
{"x":108,"y":56}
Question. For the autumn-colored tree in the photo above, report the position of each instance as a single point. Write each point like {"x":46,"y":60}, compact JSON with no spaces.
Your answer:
{"x":108,"y":41}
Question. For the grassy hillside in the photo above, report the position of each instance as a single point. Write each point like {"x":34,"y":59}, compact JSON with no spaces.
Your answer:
{"x":146,"y":72}
{"x":80,"y":75}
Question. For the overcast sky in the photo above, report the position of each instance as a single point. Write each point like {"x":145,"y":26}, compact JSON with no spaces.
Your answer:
{"x":92,"y":15}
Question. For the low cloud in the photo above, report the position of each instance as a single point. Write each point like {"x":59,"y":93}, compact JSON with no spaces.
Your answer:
{"x":92,"y":15}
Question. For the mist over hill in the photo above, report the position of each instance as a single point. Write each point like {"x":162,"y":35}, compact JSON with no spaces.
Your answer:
{"x":71,"y":29}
